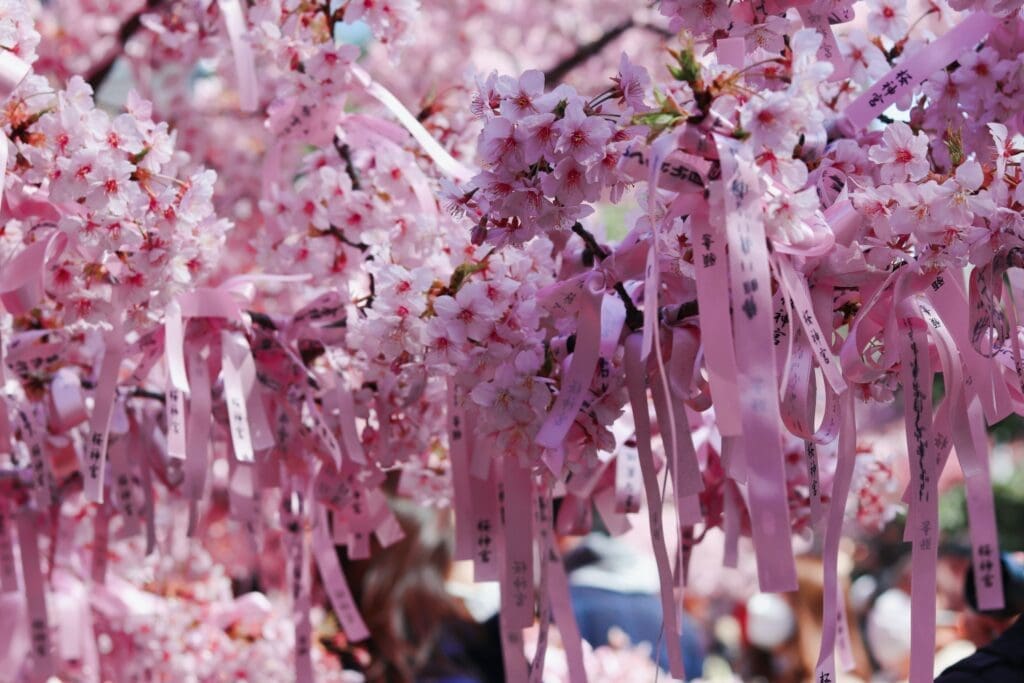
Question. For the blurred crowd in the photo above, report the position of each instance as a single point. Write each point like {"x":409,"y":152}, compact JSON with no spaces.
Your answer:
{"x":430,"y":622}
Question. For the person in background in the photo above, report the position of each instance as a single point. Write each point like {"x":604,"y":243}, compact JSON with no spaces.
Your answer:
{"x":613,"y":589}
{"x":1002,"y":658}
{"x":785,"y":630}
{"x":887,"y":629}
{"x":419,"y":632}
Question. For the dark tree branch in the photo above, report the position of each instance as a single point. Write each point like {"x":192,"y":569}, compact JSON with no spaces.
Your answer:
{"x":128,"y":29}
{"x":588,"y":238}
{"x":132,"y":392}
{"x":634,"y":316}
{"x":670,"y":315}
{"x":345,"y":152}
{"x":558,"y":72}
{"x":139,"y":392}
{"x":657,"y":30}
{"x":337,"y":234}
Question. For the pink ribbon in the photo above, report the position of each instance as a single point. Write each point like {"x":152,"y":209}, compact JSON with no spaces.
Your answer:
{"x":816,"y":16}
{"x":558,"y":592}
{"x":148,"y":498}
{"x":731,"y":516}
{"x":461,"y":484}
{"x":484,"y":495}
{"x":908,"y":74}
{"x":950,"y":300}
{"x":712,"y":278}
{"x":299,"y":585}
{"x":8,"y":571}
{"x":345,"y":405}
{"x":32,"y":421}
{"x":750,"y":288}
{"x":124,"y":499}
{"x":679,"y":171}
{"x":13,"y":70}
{"x":797,"y":289}
{"x":517,"y":596}
{"x":545,"y":611}
{"x":434,"y":150}
{"x":199,"y":423}
{"x":239,"y":372}
{"x":335,"y":585}
{"x":576,"y":382}
{"x":750,"y":11}
{"x":686,"y":475}
{"x":245,"y":63}
{"x":916,"y":375}
{"x":99,"y":425}
{"x":972,"y":448}
{"x":825,"y":669}
{"x":21,"y":280}
{"x":636,"y":374}
{"x":731,"y":52}
{"x":799,"y":399}
{"x":513,"y":658}
{"x":38,"y":623}
{"x":323,"y":432}
{"x":628,"y":480}
{"x":100,"y":542}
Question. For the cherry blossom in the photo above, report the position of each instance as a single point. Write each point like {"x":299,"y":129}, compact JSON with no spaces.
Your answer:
{"x":412,"y":255}
{"x":902,"y":153}
{"x":888,"y":18}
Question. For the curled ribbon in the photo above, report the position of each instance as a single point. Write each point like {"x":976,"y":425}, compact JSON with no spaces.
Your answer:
{"x":438,"y":154}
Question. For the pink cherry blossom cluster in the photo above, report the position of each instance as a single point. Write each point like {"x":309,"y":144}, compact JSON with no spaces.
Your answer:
{"x":139,"y":230}
{"x":167,"y":620}
{"x":17,"y":30}
{"x":753,"y":20}
{"x":362,"y":199}
{"x":801,"y":199}
{"x":180,"y":625}
{"x":847,"y":206}
{"x":302,"y":69}
{"x":302,"y":66}
{"x":877,"y":493}
{"x":482,"y":327}
{"x":547,"y":156}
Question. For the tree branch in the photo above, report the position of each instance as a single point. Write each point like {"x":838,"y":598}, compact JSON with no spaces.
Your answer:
{"x":657,"y":30}
{"x":345,"y":152}
{"x":337,"y":234}
{"x":634,"y":317}
{"x":559,"y":71}
{"x":671,"y":315}
{"x":128,"y":29}
{"x":588,"y":238}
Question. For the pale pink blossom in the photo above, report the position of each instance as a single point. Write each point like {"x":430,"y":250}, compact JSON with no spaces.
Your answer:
{"x":888,"y":18}
{"x":581,"y":136}
{"x":631,"y":83}
{"x":902,"y":154}
{"x":518,"y":96}
{"x":469,"y":314}
{"x":771,"y":122}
